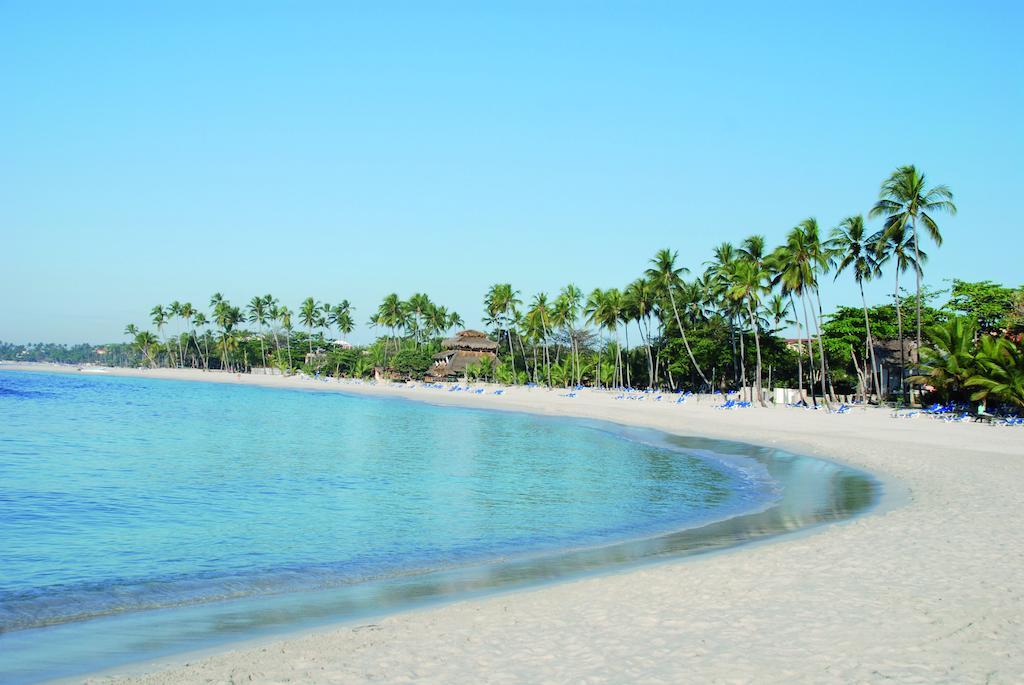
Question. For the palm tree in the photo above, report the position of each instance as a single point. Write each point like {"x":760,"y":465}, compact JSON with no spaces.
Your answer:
{"x":668,"y":277}
{"x":795,"y":272}
{"x":856,"y":252}
{"x":500,"y":304}
{"x":392,"y":313}
{"x":949,"y":361}
{"x":198,"y":321}
{"x":309,"y":312}
{"x":905,"y":198}
{"x":226,"y":317}
{"x":639,"y":306}
{"x":174,"y":311}
{"x":258,"y":312}
{"x":159,"y":318}
{"x":284,"y":315}
{"x":144,"y":342}
{"x":717,"y":283}
{"x":419,"y":307}
{"x":341,"y":316}
{"x":565,"y":311}
{"x":540,"y":314}
{"x":748,"y":279}
{"x":898,"y":244}
{"x":1000,"y":371}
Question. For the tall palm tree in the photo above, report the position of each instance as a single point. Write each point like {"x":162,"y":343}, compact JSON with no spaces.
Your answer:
{"x":668,"y":277}
{"x":500,"y":304}
{"x":899,"y":246}
{"x":186,"y":311}
{"x":309,"y":312}
{"x":540,"y":311}
{"x":795,"y":271}
{"x":748,"y":280}
{"x":341,"y":317}
{"x":419,"y":307}
{"x":639,"y":301}
{"x":284,"y":315}
{"x":199,"y":321}
{"x":716,"y":280}
{"x":174,"y":312}
{"x":565,"y":312}
{"x":905,"y":198}
{"x":227,"y":317}
{"x":258,"y":313}
{"x":855,"y":251}
{"x":821,"y":263}
{"x":392,"y":313}
{"x":159,"y":317}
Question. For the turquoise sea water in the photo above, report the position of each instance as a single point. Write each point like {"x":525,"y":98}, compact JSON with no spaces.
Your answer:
{"x":126,"y":500}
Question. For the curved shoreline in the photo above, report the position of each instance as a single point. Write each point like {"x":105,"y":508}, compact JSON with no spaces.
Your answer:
{"x":278,"y":615}
{"x":927,"y":591}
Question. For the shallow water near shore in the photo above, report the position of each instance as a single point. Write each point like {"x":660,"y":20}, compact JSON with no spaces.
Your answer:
{"x":153,"y":517}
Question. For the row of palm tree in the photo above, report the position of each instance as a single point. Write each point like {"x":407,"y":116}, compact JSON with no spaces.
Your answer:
{"x":752,"y":289}
{"x":747,"y":286}
{"x":417,"y":318}
{"x":264,"y":311}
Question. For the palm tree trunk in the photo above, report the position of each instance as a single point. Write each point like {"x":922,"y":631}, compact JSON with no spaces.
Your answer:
{"x":871,"y":344}
{"x":899,"y":333}
{"x":743,"y":365}
{"x":821,"y":357}
{"x":800,"y":350}
{"x":917,"y":274}
{"x":650,"y":355}
{"x":629,"y":381}
{"x":511,"y":351}
{"x":757,"y":344}
{"x":824,"y":360}
{"x":686,"y":342}
{"x":810,"y":350}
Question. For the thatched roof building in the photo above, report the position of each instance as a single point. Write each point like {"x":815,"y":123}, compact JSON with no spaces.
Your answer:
{"x":468,"y":347}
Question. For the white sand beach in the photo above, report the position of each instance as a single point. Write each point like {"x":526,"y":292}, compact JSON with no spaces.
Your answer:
{"x":929,"y":588}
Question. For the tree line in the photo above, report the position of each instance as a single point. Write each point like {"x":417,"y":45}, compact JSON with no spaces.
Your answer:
{"x":716,"y":328}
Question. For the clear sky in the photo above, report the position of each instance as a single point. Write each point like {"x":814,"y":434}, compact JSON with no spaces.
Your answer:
{"x":152,"y":151}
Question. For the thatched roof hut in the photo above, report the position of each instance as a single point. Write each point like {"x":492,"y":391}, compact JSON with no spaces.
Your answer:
{"x":468,"y":347}
{"x":470,"y":341}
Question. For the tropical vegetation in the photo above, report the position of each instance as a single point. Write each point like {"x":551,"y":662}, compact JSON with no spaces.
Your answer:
{"x":720,"y":328}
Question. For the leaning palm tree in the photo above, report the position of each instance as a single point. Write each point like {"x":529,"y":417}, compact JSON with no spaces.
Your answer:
{"x":905,"y":199}
{"x":898,"y":245}
{"x":668,"y":277}
{"x":855,"y":251}
{"x":144,"y":341}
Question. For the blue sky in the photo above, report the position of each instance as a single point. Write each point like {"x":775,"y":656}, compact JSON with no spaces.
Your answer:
{"x":159,"y":151}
